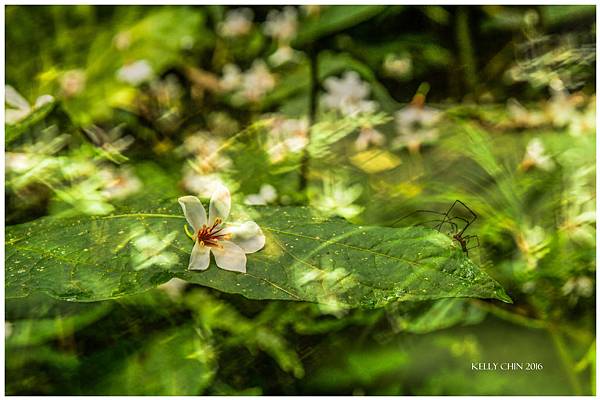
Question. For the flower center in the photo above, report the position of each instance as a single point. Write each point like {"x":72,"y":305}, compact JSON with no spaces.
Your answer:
{"x":210,"y":236}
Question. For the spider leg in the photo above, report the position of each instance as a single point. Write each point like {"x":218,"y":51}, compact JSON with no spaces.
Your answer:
{"x":469,"y":237}
{"x":445,"y":216}
{"x":438,"y":227}
{"x":469,"y":210}
{"x":415,"y":212}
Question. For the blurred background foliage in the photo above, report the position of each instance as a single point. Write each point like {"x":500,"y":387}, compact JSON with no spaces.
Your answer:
{"x":367,"y":112}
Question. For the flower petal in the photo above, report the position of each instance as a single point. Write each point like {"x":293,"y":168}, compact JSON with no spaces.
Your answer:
{"x":200,"y":258}
{"x":231,"y":257}
{"x":220,"y":204}
{"x":248,"y":236}
{"x":194,"y":211}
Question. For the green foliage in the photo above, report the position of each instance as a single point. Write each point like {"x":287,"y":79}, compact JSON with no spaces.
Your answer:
{"x":173,"y":362}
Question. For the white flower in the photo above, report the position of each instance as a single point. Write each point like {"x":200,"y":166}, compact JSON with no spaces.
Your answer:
{"x":232,"y":77}
{"x":282,"y":55}
{"x":398,"y":66}
{"x":337,"y":197}
{"x":135,"y":73}
{"x":201,"y":185}
{"x":250,"y":85}
{"x":287,"y":135}
{"x":416,"y":117}
{"x":205,"y":149}
{"x":228,"y":244}
{"x":581,"y":286}
{"x":267,"y":194}
{"x":282,"y":25}
{"x":73,"y":82}
{"x":312,"y":10}
{"x":368,"y":136}
{"x":561,"y":108}
{"x":348,"y":94}
{"x":415,"y":125}
{"x":119,"y":184}
{"x":535,"y":156}
{"x":20,"y":162}
{"x":174,"y":288}
{"x":521,"y":116}
{"x":257,"y":81}
{"x":149,"y":249}
{"x":16,"y":106}
{"x":237,"y":23}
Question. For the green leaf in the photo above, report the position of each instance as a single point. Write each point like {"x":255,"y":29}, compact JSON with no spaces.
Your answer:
{"x":13,"y":132}
{"x":334,"y":19}
{"x":429,"y":317}
{"x":177,"y":362}
{"x":306,"y":258}
{"x":35,"y":331}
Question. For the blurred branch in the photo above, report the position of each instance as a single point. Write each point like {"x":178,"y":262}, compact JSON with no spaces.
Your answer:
{"x":312,"y":113}
{"x":465,"y":49}
{"x":577,"y":334}
{"x":568,"y":364}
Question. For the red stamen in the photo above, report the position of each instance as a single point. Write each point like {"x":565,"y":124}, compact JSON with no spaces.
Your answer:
{"x":210,"y":236}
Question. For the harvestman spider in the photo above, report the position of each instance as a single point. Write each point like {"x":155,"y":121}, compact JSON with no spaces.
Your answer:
{"x":456,"y":233}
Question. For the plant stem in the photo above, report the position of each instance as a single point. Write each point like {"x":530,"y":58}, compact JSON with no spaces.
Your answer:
{"x":465,"y":49}
{"x":312,"y":113}
{"x":565,"y":358}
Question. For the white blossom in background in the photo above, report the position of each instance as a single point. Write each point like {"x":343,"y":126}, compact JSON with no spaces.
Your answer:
{"x":201,"y":143}
{"x":282,"y":25}
{"x":521,"y":116}
{"x":228,"y":242}
{"x":237,"y":22}
{"x":135,"y":73}
{"x":416,"y":124}
{"x":287,"y":135}
{"x":17,"y":107}
{"x":200,"y":184}
{"x":174,"y":288}
{"x":232,"y":78}
{"x":19,"y":162}
{"x":576,"y":287}
{"x":266,"y":195}
{"x":398,"y":66}
{"x":250,"y":85}
{"x":8,"y":328}
{"x":348,"y":94}
{"x":583,"y":122}
{"x":150,"y":250}
{"x":119,"y":183}
{"x":337,"y":197}
{"x":533,"y":243}
{"x":579,"y":211}
{"x":536,"y":156}
{"x":206,"y":152}
{"x":368,"y":136}
{"x":283,"y":55}
{"x":312,"y":10}
{"x":73,"y":82}
{"x":122,"y":40}
{"x":257,"y":81}
{"x":561,"y":108}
